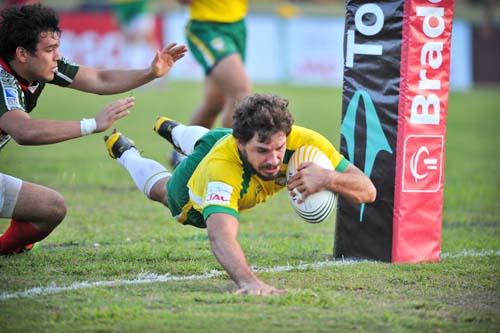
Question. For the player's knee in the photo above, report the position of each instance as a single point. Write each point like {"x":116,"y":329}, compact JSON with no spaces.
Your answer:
{"x":57,"y":209}
{"x":158,"y":192}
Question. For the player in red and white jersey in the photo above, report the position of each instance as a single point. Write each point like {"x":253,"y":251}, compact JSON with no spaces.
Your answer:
{"x":30,"y":58}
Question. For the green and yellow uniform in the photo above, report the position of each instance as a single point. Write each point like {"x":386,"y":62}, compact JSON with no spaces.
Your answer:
{"x":17,"y":94}
{"x":216,"y":29}
{"x":126,"y":10}
{"x":217,"y":179}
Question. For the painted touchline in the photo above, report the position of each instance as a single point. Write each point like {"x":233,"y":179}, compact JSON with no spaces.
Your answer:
{"x":144,"y":278}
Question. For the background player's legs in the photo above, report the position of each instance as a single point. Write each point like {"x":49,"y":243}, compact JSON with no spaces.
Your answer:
{"x":226,"y":84}
{"x":212,"y":104}
{"x":231,"y":78}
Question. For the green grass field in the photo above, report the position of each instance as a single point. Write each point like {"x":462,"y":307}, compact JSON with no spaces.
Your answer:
{"x":112,"y":233}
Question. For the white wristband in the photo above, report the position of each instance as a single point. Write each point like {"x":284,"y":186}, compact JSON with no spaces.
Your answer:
{"x":87,"y":126}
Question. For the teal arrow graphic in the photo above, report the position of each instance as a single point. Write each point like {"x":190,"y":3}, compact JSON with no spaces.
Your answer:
{"x":376,"y":140}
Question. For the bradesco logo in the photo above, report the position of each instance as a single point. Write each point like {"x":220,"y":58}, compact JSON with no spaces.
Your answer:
{"x":427,"y":86}
{"x":375,"y":137}
{"x":422,"y":165}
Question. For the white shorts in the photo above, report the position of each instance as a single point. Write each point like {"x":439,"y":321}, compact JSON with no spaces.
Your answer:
{"x":9,"y":191}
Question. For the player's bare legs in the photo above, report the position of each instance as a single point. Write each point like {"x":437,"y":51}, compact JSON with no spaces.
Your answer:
{"x":227,"y":84}
{"x":158,"y":192}
{"x":37,"y":211}
{"x":42,"y":206}
{"x":231,"y":77}
{"x":213,"y":103}
{"x":149,"y":176}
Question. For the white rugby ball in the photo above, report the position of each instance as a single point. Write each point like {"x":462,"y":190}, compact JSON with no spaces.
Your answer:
{"x":317,"y":206}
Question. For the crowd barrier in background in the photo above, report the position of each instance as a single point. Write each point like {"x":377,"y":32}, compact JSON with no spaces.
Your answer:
{"x":299,"y":50}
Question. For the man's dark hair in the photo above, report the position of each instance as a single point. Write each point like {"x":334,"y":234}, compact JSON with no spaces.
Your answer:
{"x":22,"y":26}
{"x":261,"y":114}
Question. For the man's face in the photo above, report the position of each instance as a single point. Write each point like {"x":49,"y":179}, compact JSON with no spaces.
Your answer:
{"x":42,"y":65}
{"x":265,"y":157}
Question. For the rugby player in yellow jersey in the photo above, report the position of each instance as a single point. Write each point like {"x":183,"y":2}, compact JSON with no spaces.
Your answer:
{"x":216,"y":36}
{"x":230,"y":170}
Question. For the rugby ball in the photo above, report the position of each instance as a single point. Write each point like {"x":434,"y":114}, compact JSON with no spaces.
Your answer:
{"x":318,"y":206}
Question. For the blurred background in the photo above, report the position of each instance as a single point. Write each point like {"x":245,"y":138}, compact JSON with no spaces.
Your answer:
{"x":295,"y":42}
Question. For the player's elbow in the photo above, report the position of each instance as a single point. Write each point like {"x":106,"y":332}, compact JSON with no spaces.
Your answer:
{"x":24,"y":138}
{"x":367,"y":195}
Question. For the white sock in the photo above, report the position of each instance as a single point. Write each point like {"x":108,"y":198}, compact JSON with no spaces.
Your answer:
{"x":145,"y":172}
{"x":186,"y":136}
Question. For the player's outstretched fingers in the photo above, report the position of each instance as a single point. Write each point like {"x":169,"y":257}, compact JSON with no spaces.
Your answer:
{"x":124,"y":104}
{"x":178,"y":52}
{"x":170,"y":46}
{"x":279,"y":292}
{"x":112,"y":112}
{"x":247,"y":291}
{"x":241,"y":291}
{"x":263,"y":291}
{"x":121,"y":108}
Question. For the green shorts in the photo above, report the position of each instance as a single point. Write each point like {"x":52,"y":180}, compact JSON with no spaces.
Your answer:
{"x":210,"y":42}
{"x":177,"y":190}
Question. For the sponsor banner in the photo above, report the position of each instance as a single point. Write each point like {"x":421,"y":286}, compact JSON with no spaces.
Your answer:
{"x":396,"y":80}
{"x":94,"y":39}
{"x":372,"y":50}
{"x":462,"y":48}
{"x":312,"y":51}
{"x":300,"y":50}
{"x":423,"y":103}
{"x":264,"y":33}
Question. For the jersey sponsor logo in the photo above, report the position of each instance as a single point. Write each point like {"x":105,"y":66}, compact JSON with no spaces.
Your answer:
{"x":376,"y":141}
{"x":218,"y":193}
{"x":423,"y":155}
{"x":11,"y":98}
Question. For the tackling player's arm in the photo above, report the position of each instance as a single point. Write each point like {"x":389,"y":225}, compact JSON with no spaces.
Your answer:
{"x":352,"y":183}
{"x":28,"y":131}
{"x":222,"y":231}
{"x":107,"y":82}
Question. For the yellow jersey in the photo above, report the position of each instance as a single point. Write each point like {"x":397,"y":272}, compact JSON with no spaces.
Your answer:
{"x":224,"y":11}
{"x":224,"y":182}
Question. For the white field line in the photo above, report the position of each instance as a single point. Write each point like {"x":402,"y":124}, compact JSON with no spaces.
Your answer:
{"x":144,"y":278}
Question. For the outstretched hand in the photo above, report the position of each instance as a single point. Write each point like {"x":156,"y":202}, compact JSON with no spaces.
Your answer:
{"x":259,"y":288}
{"x":112,"y":112}
{"x":164,"y":60}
